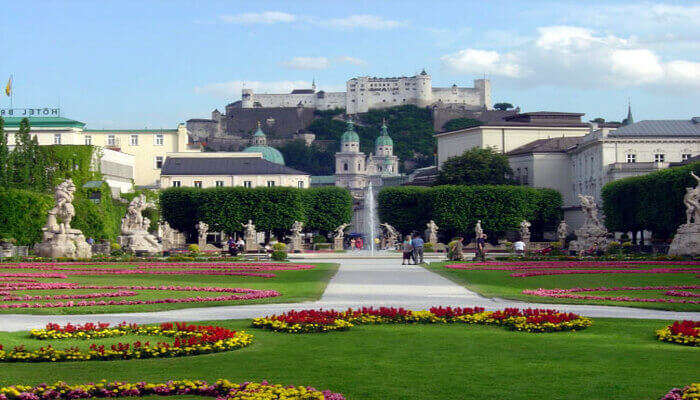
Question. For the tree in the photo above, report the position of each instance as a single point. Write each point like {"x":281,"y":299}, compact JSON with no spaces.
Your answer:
{"x":23,"y":158}
{"x":476,"y":167}
{"x":502,"y":106}
{"x":312,"y":159}
{"x":460,"y":123}
{"x":4,"y":157}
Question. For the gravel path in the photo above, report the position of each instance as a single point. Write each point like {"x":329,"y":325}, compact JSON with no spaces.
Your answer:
{"x":359,"y":282}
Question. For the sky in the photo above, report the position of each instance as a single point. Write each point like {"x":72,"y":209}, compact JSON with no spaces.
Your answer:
{"x":154,"y":64}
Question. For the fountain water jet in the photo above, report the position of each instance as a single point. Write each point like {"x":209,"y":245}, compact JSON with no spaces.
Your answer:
{"x":370,"y":218}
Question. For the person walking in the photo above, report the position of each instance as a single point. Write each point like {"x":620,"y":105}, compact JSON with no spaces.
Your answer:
{"x":457,"y":249}
{"x":232,"y":247}
{"x":417,"y":243}
{"x":352,"y":244}
{"x":481,"y":247}
{"x":359,"y":243}
{"x":407,"y":249}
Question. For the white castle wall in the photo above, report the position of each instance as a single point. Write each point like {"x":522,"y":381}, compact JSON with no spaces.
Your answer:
{"x":325,"y":101}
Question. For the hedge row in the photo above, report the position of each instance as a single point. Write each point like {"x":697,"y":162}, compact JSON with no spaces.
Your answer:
{"x":455,"y":209}
{"x":271,"y":209}
{"x":651,"y":202}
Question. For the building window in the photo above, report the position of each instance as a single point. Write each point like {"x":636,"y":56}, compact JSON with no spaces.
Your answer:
{"x":659,"y":157}
{"x":56,"y":138}
{"x":198,"y":184}
{"x":88,"y":140}
{"x":345,"y":166}
{"x":176,"y":183}
{"x":219,"y":183}
{"x":111,"y":140}
{"x":270,"y":183}
{"x":248,"y":184}
{"x":134,"y":140}
{"x":300,"y":185}
{"x":685,"y":156}
{"x":631,"y":158}
{"x":159,"y":162}
{"x":159,"y":140}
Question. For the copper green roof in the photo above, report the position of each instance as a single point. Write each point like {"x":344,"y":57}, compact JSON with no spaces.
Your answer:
{"x":350,"y":135}
{"x":268,"y":153}
{"x":259,"y":132}
{"x":384,"y":139}
{"x":48,"y":122}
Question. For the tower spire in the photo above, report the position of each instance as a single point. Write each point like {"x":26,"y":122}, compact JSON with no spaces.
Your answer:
{"x":629,"y":120}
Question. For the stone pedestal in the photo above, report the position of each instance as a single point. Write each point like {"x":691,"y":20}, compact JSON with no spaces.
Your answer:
{"x":686,"y":242}
{"x":70,"y":245}
{"x":338,"y":244}
{"x":139,"y":241}
{"x":251,"y":243}
{"x":590,"y":236}
{"x":296,"y":244}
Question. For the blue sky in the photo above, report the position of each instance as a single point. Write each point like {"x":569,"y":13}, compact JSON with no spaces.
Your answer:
{"x":153,"y":64}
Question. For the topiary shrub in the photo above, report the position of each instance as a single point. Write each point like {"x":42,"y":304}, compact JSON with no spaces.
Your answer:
{"x":193,"y":248}
{"x":279,"y":255}
{"x":279,"y":246}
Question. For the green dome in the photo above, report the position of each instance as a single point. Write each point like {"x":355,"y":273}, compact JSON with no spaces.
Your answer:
{"x":269,"y":153}
{"x":384,"y":139}
{"x":350,"y":135}
{"x":259,"y":132}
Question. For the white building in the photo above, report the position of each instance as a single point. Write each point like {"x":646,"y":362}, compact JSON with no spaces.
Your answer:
{"x":583,"y":165}
{"x":247,"y":169}
{"x":365,"y":93}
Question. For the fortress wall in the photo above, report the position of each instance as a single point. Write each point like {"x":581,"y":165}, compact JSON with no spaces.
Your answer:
{"x":468,"y":96}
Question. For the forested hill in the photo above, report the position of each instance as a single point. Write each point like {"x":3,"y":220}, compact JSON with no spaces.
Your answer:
{"x":410,"y":127}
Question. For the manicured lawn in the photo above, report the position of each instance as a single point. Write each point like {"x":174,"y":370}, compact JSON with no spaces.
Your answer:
{"x":614,"y":359}
{"x":500,"y":284}
{"x":294,"y":286}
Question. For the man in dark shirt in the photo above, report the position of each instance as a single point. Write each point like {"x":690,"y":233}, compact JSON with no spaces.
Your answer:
{"x":481,"y":247}
{"x":417,"y":243}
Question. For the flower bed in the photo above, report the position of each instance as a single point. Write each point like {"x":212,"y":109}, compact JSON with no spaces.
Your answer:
{"x":690,"y":392}
{"x":528,"y":320}
{"x":221,"y":389}
{"x":568,"y":268}
{"x":681,"y":332}
{"x":189,"y":340}
{"x":669,"y":291}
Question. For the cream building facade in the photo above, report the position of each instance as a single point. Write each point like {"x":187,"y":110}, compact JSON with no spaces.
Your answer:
{"x":206,"y":170}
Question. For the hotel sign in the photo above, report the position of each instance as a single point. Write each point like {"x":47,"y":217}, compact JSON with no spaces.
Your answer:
{"x":30,"y":112}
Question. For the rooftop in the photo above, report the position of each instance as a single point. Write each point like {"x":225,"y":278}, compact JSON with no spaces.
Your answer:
{"x":681,"y":127}
{"x":183,"y":165}
{"x":552,"y":145}
{"x":303,"y":91}
{"x":49,"y":122}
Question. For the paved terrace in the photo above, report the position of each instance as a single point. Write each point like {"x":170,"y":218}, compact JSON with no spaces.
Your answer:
{"x":359,"y":282}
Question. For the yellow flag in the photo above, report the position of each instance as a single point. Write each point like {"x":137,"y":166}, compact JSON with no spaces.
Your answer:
{"x":8,"y":88}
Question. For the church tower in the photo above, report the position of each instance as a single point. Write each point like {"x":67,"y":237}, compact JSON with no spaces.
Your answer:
{"x":384,"y":160}
{"x":350,"y":168}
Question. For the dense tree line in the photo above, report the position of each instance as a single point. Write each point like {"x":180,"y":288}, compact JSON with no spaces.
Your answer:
{"x":476,"y":166}
{"x":313,"y":159}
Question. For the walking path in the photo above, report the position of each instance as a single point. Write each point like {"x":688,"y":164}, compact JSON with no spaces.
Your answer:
{"x":359,"y":282}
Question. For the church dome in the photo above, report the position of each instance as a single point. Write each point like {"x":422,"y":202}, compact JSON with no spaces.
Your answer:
{"x":384,"y":139}
{"x":269,"y":153}
{"x":350,"y":135}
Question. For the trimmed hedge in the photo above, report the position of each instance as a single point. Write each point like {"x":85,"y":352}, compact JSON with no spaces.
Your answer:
{"x":23,"y":214}
{"x":455,"y":209}
{"x":271,"y":209}
{"x":651,"y":202}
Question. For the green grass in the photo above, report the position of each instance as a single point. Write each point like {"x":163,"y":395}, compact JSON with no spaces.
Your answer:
{"x":500,"y":284}
{"x":295,"y":286}
{"x":614,"y":359}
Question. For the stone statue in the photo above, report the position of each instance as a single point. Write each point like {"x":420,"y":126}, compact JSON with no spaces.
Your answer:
{"x":687,"y":238}
{"x":202,"y":230}
{"x":431,"y":232}
{"x":525,"y":230}
{"x":478,"y":231}
{"x":250,"y":236}
{"x":338,"y":237}
{"x":59,"y":239}
{"x":592,"y":235}
{"x":390,"y":236}
{"x":296,"y":243}
{"x":562,"y":232}
{"x":134,"y":228}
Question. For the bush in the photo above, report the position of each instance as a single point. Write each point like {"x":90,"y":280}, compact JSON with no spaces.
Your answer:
{"x":193,"y":248}
{"x":649,"y":202}
{"x":279,"y":255}
{"x":318,"y":239}
{"x":406,"y":208}
{"x":428,"y":247}
{"x":23,"y":214}
{"x":279,"y":246}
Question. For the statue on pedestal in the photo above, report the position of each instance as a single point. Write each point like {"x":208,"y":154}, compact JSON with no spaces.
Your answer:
{"x":562,"y":233}
{"x":687,"y":238}
{"x":478,"y":231}
{"x":202,"y":230}
{"x":250,"y":237}
{"x":338,"y":237}
{"x":390,"y":236}
{"x":296,"y":244}
{"x":431,"y":232}
{"x":525,"y":231}
{"x":59,"y":239}
{"x":592,"y":235}
{"x":134,"y":229}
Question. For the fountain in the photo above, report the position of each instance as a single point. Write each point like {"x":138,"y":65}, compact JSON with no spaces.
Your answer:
{"x":370,"y":218}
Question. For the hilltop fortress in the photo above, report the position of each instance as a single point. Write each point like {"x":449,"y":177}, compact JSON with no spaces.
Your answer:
{"x":364,"y":93}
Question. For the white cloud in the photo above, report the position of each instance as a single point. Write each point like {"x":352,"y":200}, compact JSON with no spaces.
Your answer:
{"x":350,"y":60}
{"x":578,"y":57}
{"x":365,"y":21}
{"x":307,"y":63}
{"x":473,"y":61}
{"x":266,"y":17}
